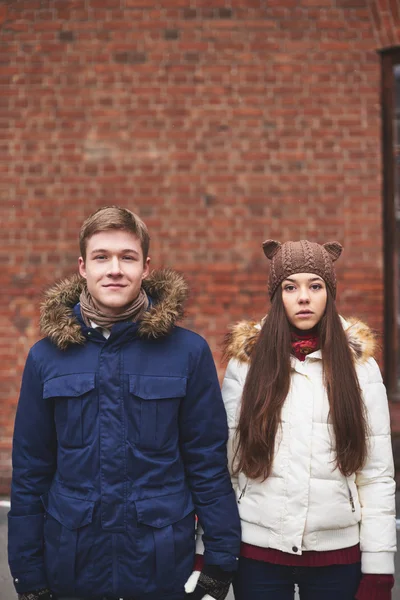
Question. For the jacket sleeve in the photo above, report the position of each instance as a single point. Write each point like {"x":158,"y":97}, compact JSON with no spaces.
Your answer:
{"x":375,"y":484}
{"x":203,"y":435}
{"x":34,"y":462}
{"x":232,"y":389}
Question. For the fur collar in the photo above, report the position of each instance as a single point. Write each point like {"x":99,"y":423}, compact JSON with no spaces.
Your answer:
{"x":241,"y":339}
{"x":167,"y":289}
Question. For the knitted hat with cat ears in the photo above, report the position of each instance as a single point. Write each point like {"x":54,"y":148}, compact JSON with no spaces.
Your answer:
{"x":301,"y":257}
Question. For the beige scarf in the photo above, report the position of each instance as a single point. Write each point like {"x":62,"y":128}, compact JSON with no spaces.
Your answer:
{"x":90,"y":312}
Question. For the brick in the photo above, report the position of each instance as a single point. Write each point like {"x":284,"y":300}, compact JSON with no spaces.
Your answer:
{"x":16,"y":26}
{"x":66,"y":36}
{"x":47,"y":26}
{"x":104,"y":4}
{"x":190,"y":13}
{"x":316,"y":3}
{"x":350,"y":4}
{"x":141,"y":4}
{"x":171,"y":34}
{"x":132,"y":58}
{"x":3,"y":14}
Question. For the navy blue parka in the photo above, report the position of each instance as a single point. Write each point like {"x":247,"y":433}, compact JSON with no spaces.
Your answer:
{"x":118,"y":443}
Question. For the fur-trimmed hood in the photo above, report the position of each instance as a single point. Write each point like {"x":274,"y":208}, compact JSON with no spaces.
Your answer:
{"x":167,"y":289}
{"x":242,"y":337}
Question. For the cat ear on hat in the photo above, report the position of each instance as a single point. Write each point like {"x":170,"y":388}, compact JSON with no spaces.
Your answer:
{"x":334,"y":249}
{"x":270,"y":248}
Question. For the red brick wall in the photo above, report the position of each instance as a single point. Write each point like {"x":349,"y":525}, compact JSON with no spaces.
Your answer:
{"x":220,"y":122}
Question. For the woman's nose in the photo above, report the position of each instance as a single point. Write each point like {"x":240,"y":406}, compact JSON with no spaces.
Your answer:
{"x":304,"y":295}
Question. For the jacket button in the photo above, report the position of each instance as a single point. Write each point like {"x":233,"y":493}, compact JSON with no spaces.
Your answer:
{"x":295,"y":549}
{"x":16,"y":580}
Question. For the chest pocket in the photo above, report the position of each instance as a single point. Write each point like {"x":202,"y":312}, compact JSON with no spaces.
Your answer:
{"x":153,"y":412}
{"x":75,"y":407}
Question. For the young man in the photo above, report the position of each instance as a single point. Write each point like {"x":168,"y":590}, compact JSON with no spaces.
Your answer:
{"x":120,"y":436}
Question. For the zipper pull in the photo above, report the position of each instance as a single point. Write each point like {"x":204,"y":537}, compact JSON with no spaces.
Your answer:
{"x":242,"y":493}
{"x":353,"y":508}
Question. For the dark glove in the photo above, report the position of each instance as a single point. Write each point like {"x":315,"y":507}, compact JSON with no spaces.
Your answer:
{"x":37,"y":595}
{"x":213,"y":581}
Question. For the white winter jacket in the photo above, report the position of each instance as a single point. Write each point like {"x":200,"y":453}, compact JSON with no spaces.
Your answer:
{"x":306,"y":503}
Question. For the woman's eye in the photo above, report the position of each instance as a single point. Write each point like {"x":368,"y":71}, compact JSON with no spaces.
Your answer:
{"x":316,"y":286}
{"x":289,"y":288}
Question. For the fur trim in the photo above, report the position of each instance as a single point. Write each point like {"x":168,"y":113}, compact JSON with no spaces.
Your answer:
{"x":169,"y":292}
{"x":362,"y":339}
{"x":57,"y":321}
{"x":167,"y":289}
{"x":241,"y":339}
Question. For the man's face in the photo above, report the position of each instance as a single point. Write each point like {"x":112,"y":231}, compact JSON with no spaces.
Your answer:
{"x":304,"y":298}
{"x":114,"y":269}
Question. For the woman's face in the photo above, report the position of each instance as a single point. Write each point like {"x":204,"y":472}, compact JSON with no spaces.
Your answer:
{"x":304,"y":298}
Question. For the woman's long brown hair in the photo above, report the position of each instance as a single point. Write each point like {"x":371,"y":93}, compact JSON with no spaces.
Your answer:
{"x":267,"y":386}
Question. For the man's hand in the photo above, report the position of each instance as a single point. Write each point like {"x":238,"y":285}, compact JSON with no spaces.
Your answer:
{"x":37,"y":595}
{"x":211,"y":583}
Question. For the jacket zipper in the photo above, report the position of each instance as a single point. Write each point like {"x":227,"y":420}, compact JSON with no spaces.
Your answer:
{"x":242,"y":493}
{"x":353,"y":508}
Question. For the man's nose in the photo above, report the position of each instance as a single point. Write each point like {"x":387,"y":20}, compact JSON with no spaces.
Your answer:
{"x":115,"y":268}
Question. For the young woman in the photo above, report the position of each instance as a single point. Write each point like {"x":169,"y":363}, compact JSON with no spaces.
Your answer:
{"x":310,"y":448}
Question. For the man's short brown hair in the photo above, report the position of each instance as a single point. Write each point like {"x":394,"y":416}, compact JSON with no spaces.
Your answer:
{"x":114,"y":217}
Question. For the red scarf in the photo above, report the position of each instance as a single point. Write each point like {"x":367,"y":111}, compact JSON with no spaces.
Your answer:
{"x":304,"y":342}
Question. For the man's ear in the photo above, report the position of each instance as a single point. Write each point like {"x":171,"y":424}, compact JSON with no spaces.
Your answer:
{"x":81,"y":267}
{"x":146,"y":268}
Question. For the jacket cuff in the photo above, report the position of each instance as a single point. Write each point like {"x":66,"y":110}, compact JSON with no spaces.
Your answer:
{"x":226,"y":561}
{"x":380,"y":563}
{"x":30,"y":581}
{"x":375,"y":587}
{"x":25,"y":552}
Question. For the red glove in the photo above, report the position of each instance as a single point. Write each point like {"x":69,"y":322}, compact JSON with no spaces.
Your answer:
{"x":375,"y":587}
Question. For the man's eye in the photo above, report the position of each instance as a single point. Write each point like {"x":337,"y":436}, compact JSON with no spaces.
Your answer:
{"x":100,"y":257}
{"x":128,"y":258}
